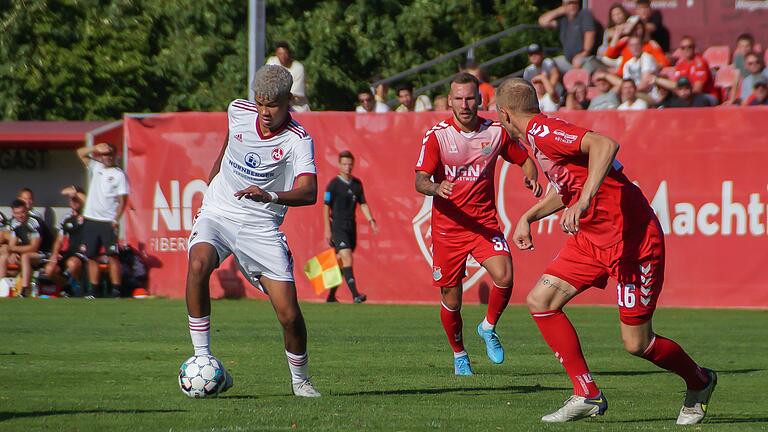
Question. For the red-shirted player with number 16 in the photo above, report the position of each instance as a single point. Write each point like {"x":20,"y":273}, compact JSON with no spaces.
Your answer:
{"x":615,"y":233}
{"x":461,"y":154}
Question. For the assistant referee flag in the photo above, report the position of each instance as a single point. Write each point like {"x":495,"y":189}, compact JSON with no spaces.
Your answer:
{"x":323,"y":271}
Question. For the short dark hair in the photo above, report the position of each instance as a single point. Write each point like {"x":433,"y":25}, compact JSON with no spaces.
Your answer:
{"x":629,"y":80}
{"x":25,"y":189}
{"x":346,"y":154}
{"x":18,"y":203}
{"x":746,"y":36}
{"x":643,"y":2}
{"x":404,"y":86}
{"x":282,"y":44}
{"x":365,"y":90}
{"x":465,"y":78}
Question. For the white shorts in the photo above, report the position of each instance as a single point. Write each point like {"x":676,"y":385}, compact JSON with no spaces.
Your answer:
{"x":259,"y":250}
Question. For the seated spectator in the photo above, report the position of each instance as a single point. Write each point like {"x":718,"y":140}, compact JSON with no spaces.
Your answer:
{"x":24,"y":246}
{"x":441,"y":103}
{"x":577,"y":31}
{"x":619,"y":46}
{"x":745,"y":44}
{"x":487,"y":92}
{"x":696,"y":69}
{"x":66,"y":264}
{"x":577,"y":97}
{"x":617,"y":16}
{"x":540,"y":64}
{"x":607,"y":98}
{"x":368,"y":102}
{"x":284,"y":58}
{"x":755,"y":70}
{"x":25,"y":194}
{"x":652,"y":21}
{"x":640,"y":68}
{"x":629,"y":99}
{"x":407,"y":101}
{"x":685,"y":97}
{"x":549,"y":100}
{"x":760,"y":94}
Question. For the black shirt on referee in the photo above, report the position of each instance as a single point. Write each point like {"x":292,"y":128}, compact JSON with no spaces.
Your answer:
{"x":343,"y":197}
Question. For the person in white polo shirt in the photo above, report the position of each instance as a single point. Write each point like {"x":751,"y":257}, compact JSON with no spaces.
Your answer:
{"x":107,"y":195}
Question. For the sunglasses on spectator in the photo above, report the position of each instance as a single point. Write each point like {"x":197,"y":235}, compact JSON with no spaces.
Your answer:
{"x":750,"y":63}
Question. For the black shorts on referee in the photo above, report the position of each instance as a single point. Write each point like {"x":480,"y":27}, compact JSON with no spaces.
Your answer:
{"x":344,"y":235}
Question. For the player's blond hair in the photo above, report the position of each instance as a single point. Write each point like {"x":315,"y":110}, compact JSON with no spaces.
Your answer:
{"x":518,"y":96}
{"x":272,"y":83}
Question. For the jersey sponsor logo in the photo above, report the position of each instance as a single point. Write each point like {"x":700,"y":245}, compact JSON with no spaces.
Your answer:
{"x":249,"y":174}
{"x":252,"y":159}
{"x":564,"y":137}
{"x":277,"y":154}
{"x":239,"y":137}
{"x":464,"y":172}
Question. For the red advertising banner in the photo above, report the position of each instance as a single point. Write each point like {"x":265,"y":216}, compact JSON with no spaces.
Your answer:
{"x":702,"y":169}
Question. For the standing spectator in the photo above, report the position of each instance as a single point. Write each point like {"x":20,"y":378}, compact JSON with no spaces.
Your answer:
{"x":619,"y":45}
{"x":66,"y":264}
{"x":107,"y":195}
{"x":760,"y":94}
{"x":755,"y":70}
{"x":577,"y":97}
{"x":25,"y":246}
{"x":540,"y":64}
{"x":607,"y":98}
{"x":342,"y":196}
{"x":693,"y":67}
{"x":441,"y":103}
{"x":487,"y":92}
{"x":549,"y":100}
{"x":617,"y":16}
{"x":407,"y":101}
{"x":368,"y":102}
{"x":745,"y":44}
{"x":652,"y":22}
{"x":629,"y":99}
{"x":577,"y":32}
{"x":686,"y":98}
{"x":284,"y":58}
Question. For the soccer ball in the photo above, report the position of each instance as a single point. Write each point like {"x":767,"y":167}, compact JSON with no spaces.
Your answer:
{"x":201,"y":376}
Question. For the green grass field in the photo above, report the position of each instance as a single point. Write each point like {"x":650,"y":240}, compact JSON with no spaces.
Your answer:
{"x":112,"y":365}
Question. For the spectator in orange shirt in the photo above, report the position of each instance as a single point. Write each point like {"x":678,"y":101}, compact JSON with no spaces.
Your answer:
{"x":619,"y":45}
{"x":693,"y":66}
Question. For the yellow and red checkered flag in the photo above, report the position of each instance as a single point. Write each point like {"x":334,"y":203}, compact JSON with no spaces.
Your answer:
{"x":323,"y":271}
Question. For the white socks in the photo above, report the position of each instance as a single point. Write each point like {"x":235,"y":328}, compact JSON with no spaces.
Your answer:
{"x":459,"y":354}
{"x":199,"y":331}
{"x":298,"y":364}
{"x":486,"y":325}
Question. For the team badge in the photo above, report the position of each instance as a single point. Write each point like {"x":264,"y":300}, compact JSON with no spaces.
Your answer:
{"x":277,"y":154}
{"x":252,"y":159}
{"x":486,"y":148}
{"x":437,"y":273}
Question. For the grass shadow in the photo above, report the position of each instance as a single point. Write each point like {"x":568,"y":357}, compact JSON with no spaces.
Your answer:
{"x":34,"y":414}
{"x":434,"y":391}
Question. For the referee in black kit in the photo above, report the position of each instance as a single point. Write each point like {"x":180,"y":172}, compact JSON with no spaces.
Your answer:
{"x":342,"y":195}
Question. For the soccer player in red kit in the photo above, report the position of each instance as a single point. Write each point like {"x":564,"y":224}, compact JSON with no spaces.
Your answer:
{"x":460,"y":153}
{"x":615,"y":233}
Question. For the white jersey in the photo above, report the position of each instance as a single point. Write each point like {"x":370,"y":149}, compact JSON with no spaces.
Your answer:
{"x":270,"y":162}
{"x":107,"y":185}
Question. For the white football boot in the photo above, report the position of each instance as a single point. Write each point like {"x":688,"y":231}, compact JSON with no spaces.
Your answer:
{"x":697,"y":401}
{"x":305,"y":389}
{"x":578,"y":407}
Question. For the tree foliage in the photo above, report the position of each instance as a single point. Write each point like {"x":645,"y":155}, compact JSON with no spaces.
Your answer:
{"x":96,"y":59}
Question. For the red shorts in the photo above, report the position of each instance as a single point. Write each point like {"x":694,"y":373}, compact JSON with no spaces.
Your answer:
{"x":636,"y":263}
{"x":450,"y":251}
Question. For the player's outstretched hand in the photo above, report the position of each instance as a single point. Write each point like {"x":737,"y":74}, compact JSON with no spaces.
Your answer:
{"x":533,"y":185}
{"x":445,"y":188}
{"x":254,"y":193}
{"x":571,"y":216}
{"x":522,"y":235}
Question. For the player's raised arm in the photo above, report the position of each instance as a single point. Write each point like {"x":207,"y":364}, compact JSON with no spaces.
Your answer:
{"x":602,"y":151}
{"x":217,"y":165}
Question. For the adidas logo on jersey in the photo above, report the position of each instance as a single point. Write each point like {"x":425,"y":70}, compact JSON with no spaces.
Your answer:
{"x":239,"y":137}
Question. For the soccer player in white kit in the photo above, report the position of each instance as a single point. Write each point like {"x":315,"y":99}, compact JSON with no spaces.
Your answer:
{"x":265,"y":166}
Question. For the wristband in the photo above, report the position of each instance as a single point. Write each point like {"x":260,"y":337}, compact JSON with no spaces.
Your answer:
{"x":272,"y":196}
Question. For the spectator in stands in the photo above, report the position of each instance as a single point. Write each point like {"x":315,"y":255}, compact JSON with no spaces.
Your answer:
{"x":380,"y":91}
{"x":107,"y":196}
{"x":410,"y":104}
{"x":617,"y":17}
{"x":619,"y":46}
{"x":549,"y":100}
{"x":607,"y":98}
{"x":640,"y":68}
{"x":577,"y":97}
{"x":686,"y":98}
{"x":693,"y":66}
{"x":629,"y":99}
{"x":652,"y":21}
{"x":368,"y":102}
{"x":441,"y":103}
{"x":745,"y":44}
{"x":755,"y":70}
{"x":25,"y":246}
{"x":487,"y":92}
{"x":577,"y":32}
{"x":284,"y":58}
{"x":540,"y":64}
{"x":66,"y":263}
{"x":760,"y":94}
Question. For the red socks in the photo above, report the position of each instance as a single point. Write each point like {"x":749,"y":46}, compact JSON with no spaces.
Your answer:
{"x":452,"y":324}
{"x":497,"y":302}
{"x":561,"y":337}
{"x":667,"y":354}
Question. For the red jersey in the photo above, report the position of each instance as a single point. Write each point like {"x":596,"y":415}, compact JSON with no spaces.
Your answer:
{"x":696,"y":70}
{"x":467,"y":159}
{"x":618,"y":208}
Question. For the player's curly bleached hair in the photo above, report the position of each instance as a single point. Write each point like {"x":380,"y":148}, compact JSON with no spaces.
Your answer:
{"x":272,"y":83}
